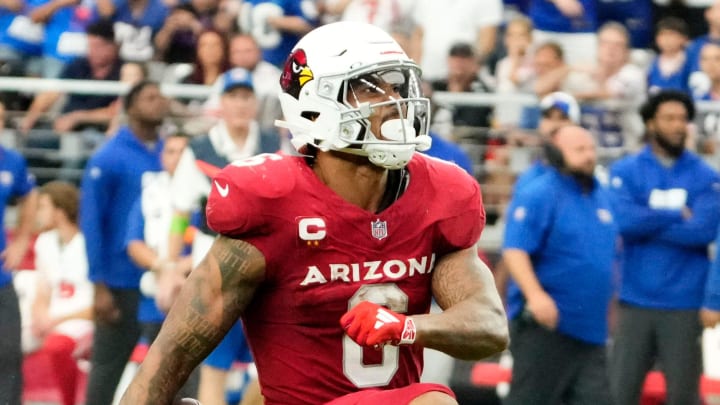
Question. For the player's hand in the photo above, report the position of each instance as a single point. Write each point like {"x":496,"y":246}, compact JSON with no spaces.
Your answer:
{"x":370,"y":324}
{"x":544,"y":310}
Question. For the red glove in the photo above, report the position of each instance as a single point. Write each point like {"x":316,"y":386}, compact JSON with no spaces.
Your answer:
{"x":370,"y":324}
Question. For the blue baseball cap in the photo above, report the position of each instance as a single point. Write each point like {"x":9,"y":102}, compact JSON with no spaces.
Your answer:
{"x":237,"y":77}
{"x":563,"y":102}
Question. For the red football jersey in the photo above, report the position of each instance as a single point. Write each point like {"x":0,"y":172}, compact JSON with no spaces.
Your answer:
{"x":324,"y":255}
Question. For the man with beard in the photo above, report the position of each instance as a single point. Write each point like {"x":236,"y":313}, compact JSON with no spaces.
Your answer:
{"x":666,"y":202}
{"x":111,"y":184}
{"x":559,"y":248}
{"x":557,"y":110}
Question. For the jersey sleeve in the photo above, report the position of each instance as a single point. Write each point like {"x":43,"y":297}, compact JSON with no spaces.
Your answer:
{"x":241,"y":194}
{"x":463,"y":213}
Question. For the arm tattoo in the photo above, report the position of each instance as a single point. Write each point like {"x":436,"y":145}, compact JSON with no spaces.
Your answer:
{"x":238,"y":262}
{"x":452,"y":283}
{"x":214,"y":296}
{"x":197,"y":336}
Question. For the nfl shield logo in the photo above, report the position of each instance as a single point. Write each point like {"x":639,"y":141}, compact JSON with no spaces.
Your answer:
{"x":379,"y":229}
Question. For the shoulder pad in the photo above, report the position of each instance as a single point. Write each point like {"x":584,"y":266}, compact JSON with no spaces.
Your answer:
{"x":240,"y":191}
{"x":267,"y":175}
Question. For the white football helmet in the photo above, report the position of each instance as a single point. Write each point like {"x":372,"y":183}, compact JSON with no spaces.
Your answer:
{"x":322,"y":83}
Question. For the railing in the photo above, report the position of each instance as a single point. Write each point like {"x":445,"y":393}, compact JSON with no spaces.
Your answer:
{"x":96,"y":87}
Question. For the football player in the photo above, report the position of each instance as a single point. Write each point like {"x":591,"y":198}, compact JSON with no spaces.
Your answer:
{"x":332,"y":258}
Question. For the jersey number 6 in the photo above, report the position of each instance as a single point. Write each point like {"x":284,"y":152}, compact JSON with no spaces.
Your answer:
{"x":375,"y":375}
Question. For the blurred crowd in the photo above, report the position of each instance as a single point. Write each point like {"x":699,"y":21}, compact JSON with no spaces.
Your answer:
{"x":607,"y":54}
{"x":545,"y":64}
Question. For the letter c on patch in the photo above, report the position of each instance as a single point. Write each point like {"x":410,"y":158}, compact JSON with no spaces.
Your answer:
{"x":312,"y":229}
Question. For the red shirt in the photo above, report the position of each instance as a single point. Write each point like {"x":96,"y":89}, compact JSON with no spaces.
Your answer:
{"x":324,"y":255}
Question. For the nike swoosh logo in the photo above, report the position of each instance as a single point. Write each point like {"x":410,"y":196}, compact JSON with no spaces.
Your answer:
{"x":224,"y":191}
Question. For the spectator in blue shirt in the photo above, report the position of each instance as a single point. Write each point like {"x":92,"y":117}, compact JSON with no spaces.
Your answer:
{"x":110,"y":186}
{"x":559,"y":248}
{"x":666,"y":202}
{"x":135,"y":23}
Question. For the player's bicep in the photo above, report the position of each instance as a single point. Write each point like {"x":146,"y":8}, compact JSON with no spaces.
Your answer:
{"x":461,"y":275}
{"x":219,"y":289}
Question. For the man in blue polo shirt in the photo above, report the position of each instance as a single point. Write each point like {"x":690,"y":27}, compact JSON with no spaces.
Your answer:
{"x":667,"y":205}
{"x":559,"y":247}
{"x":111,"y":184}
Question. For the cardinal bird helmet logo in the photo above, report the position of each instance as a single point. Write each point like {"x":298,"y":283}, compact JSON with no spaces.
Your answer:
{"x":295,"y":73}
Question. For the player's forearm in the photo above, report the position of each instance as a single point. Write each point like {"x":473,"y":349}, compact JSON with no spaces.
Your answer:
{"x":194,"y":326}
{"x":470,"y":330}
{"x":211,"y":301}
